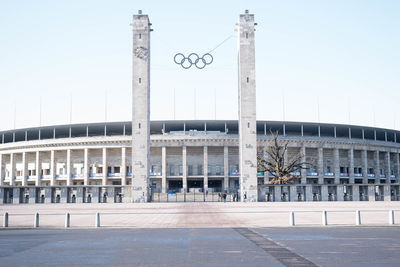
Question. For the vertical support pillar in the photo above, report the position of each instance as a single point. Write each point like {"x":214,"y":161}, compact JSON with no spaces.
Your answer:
{"x":364,"y":158}
{"x":86,"y":167}
{"x":32,"y":195}
{"x":79,"y":195}
{"x":226,"y":168}
{"x":351,"y":167}
{"x":293,"y":193}
{"x":141,"y":108}
{"x":1,"y":195}
{"x":184,"y":172}
{"x":205,"y":166}
{"x":324,"y":193}
{"x":303,"y":159}
{"x":24,"y":168}
{"x":371,"y":192}
{"x":309,"y":196}
{"x":320,"y":165}
{"x":377,"y":167}
{"x":16,"y":195}
{"x":52,"y":168}
{"x":38,"y":169}
{"x":12,"y":166}
{"x":2,"y":172}
{"x":64,"y":195}
{"x":277,"y":193}
{"x":164,"y":169}
{"x":386,"y":193}
{"x":336,"y":167}
{"x":69,"y":167}
{"x":48,"y":195}
{"x":356,"y":193}
{"x":95,"y":194}
{"x":397,"y":166}
{"x":388,"y":167}
{"x":247,"y":109}
{"x":340,"y":192}
{"x":105,"y":167}
{"x":123,"y":166}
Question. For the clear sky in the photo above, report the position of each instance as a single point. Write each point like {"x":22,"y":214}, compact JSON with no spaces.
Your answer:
{"x":342,"y":54}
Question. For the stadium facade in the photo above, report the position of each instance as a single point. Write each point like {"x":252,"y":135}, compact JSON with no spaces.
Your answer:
{"x":141,"y":161}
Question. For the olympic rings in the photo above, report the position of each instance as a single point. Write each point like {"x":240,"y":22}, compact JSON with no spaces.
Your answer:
{"x":193,"y":59}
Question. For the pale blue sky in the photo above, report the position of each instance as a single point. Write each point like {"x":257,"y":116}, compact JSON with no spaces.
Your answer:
{"x":346,"y":53}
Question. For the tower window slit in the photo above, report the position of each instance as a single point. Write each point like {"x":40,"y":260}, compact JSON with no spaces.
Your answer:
{"x":247,"y":79}
{"x":140,"y":125}
{"x":140,"y":80}
{"x":140,"y":36}
{"x":247,"y":35}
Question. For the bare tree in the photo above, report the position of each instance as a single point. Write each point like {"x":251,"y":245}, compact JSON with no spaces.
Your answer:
{"x":284,"y":169}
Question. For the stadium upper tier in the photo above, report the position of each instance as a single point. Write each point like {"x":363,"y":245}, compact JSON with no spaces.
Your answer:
{"x":227,"y":127}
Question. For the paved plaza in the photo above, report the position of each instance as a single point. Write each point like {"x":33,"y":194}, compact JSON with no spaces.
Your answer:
{"x":309,"y":246}
{"x":201,"y":234}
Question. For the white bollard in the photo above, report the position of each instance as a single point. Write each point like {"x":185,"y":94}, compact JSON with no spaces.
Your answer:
{"x":97,"y":219}
{"x":5,"y":219}
{"x":358,"y":217}
{"x":391,"y":216}
{"x":67,"y":220}
{"x":291,"y":218}
{"x":36,"y":221}
{"x":324,"y":218}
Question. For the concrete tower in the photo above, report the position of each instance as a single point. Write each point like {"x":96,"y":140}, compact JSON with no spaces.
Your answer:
{"x":140,"y":108}
{"x":247,"y":108}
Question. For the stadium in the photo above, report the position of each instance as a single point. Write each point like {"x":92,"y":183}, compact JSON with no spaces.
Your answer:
{"x":143,"y":160}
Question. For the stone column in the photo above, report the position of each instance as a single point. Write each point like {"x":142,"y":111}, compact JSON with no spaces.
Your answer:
{"x":226,"y":168}
{"x":141,"y":108}
{"x":48,"y":195}
{"x":105,"y":167}
{"x":324,"y":193}
{"x":95,"y":194}
{"x":364,"y":158}
{"x":24,"y":168}
{"x":184,"y":172}
{"x":309,"y":196}
{"x":340,"y":193}
{"x":247,"y":108}
{"x":388,"y":167}
{"x":123,"y":166}
{"x":321,"y":165}
{"x":111,"y":195}
{"x":16,"y":196}
{"x":336,"y":167}
{"x":38,"y":169}
{"x":205,"y":168}
{"x":293,"y":193}
{"x":377,"y":167}
{"x":64,"y":195}
{"x":303,"y":159}
{"x":52,"y":168}
{"x":356,"y":193}
{"x":69,"y":167}
{"x":398,"y":166}
{"x":371,"y":192}
{"x":1,"y":193}
{"x":277,"y":193}
{"x":12,"y":165}
{"x":79,"y":195}
{"x":164,"y":169}
{"x":351,"y":167}
{"x":2,"y":173}
{"x":86,"y":167}
{"x":32,"y":195}
{"x":386,"y":193}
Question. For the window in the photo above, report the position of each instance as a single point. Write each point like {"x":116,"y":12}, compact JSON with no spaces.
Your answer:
{"x":209,"y":169}
{"x":247,"y":35}
{"x":172,"y":170}
{"x":140,"y":125}
{"x":140,"y":36}
{"x":190,"y":169}
{"x":180,"y":169}
{"x":217,"y":170}
{"x":247,"y":79}
{"x":117,"y":169}
{"x":140,"y":80}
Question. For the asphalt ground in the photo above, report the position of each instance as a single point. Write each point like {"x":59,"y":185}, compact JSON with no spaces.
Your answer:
{"x":281,"y":246}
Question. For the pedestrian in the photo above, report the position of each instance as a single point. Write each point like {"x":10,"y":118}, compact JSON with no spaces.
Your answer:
{"x":219,"y":196}
{"x":224,"y":196}
{"x":207,"y":192}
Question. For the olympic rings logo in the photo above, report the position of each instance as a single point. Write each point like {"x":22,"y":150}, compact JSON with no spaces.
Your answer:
{"x":193,"y":59}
